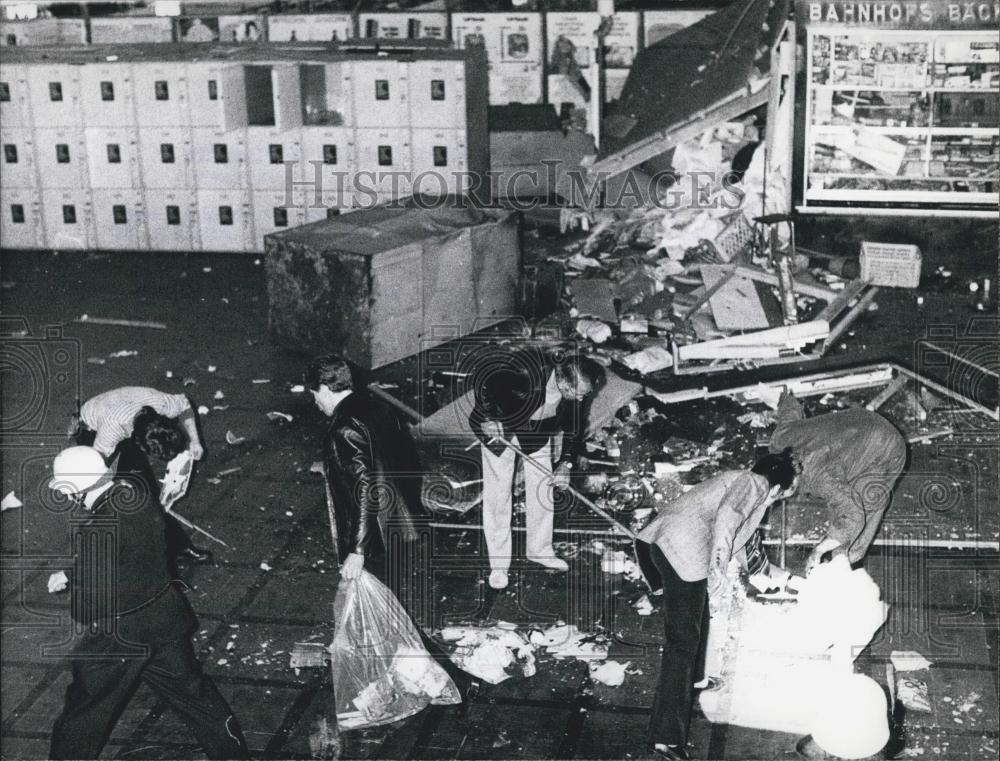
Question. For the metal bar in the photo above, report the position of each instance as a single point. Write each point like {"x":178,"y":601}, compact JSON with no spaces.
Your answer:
{"x":850,"y":292}
{"x":194,"y":527}
{"x":961,"y":359}
{"x":411,"y":413}
{"x":993,"y":414}
{"x":825,"y":294}
{"x":850,"y":317}
{"x":85,"y":319}
{"x":885,"y":394}
{"x":529,"y":459}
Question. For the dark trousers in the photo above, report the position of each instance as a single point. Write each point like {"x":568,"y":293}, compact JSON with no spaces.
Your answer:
{"x":102,"y":687}
{"x":685,"y":622}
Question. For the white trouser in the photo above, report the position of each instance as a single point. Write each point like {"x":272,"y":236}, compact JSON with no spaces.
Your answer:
{"x":498,"y":484}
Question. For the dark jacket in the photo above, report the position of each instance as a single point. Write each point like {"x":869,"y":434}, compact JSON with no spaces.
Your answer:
{"x":372,"y":471}
{"x":121,"y":575}
{"x":850,"y":459}
{"x":509,"y":387}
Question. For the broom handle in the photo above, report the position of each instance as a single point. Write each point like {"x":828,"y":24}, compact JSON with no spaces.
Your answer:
{"x":604,"y":514}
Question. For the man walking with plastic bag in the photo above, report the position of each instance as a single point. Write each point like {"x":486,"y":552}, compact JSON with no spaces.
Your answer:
{"x":385,"y":667}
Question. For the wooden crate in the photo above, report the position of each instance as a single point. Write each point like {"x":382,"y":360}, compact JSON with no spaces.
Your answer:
{"x":386,"y":283}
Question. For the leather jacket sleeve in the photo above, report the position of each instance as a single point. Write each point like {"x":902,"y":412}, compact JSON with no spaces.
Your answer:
{"x":353,"y":457}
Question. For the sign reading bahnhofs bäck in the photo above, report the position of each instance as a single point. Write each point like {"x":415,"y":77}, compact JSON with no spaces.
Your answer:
{"x":901,"y":14}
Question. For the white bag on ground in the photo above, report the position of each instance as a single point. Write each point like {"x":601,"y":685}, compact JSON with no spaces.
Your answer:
{"x":381,"y":671}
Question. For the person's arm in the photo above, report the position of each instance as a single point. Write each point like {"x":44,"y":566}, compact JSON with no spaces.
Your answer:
{"x":355,"y":453}
{"x":740,"y":503}
{"x":484,"y":427}
{"x":189,"y":423}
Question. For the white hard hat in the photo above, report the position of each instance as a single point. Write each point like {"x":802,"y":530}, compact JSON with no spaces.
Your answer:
{"x":76,"y":469}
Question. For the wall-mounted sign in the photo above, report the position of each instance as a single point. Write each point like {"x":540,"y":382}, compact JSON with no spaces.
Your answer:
{"x":901,"y":14}
{"x":514,"y":50}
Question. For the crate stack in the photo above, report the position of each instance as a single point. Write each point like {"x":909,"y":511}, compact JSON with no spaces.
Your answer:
{"x":212,"y":147}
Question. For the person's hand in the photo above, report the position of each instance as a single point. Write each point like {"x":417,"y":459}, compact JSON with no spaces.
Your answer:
{"x":353,"y":566}
{"x":196,"y":450}
{"x":58,"y":582}
{"x":560,"y":476}
{"x":816,"y":556}
{"x":492,"y":429}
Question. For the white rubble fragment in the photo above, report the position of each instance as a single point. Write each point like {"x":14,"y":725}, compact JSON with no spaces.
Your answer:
{"x":298,"y":388}
{"x":219,"y":395}
{"x":10,"y":502}
{"x":279,"y":416}
{"x":265,"y":566}
{"x":649,"y":360}
{"x":593,"y":330}
{"x":611,"y":673}
{"x":233,"y":440}
{"x":202,"y":409}
{"x":212,"y":368}
{"x":567,"y":641}
{"x":58,"y":582}
{"x":493,"y":654}
{"x":908,"y":660}
{"x":123,"y":353}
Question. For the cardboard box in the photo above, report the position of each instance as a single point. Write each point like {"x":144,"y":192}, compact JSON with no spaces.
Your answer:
{"x":890,"y":264}
{"x":383,"y":284}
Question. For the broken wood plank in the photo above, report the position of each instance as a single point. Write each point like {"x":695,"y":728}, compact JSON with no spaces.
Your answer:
{"x":930,"y":436}
{"x":707,"y":294}
{"x":411,"y":413}
{"x":885,"y":394}
{"x":845,"y":297}
{"x":993,"y":414}
{"x":849,"y":318}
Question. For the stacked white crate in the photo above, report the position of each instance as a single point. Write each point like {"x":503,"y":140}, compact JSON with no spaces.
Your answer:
{"x":60,"y":155}
{"x":329,"y":157}
{"x":382,"y":129}
{"x":21,"y":224}
{"x":107,"y":93}
{"x":159,"y":153}
{"x":216,"y":99}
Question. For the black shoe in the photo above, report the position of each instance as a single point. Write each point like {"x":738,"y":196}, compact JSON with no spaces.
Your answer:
{"x":670,"y":752}
{"x":197,"y":554}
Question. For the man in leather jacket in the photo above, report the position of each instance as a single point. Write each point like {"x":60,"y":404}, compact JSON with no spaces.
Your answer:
{"x":132,"y":624}
{"x":535,"y":400}
{"x":372,"y":472}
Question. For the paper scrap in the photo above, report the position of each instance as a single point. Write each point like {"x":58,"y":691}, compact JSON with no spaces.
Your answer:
{"x":279,"y":416}
{"x":10,"y":502}
{"x":58,"y":582}
{"x":611,"y":673}
{"x":233,"y":440}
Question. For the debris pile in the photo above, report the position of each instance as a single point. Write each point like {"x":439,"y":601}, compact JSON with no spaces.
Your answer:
{"x":493,"y":654}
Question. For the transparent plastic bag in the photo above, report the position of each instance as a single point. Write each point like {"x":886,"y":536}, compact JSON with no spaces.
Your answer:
{"x":381,"y":671}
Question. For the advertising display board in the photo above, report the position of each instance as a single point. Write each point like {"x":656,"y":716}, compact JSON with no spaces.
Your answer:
{"x":315,"y":27}
{"x":404,"y":26}
{"x":658,"y":25}
{"x":110,"y":31}
{"x":514,"y":51}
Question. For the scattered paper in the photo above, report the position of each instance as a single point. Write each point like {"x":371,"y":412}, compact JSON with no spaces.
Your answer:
{"x":493,"y":654}
{"x":649,"y":360}
{"x":593,"y":330}
{"x":913,"y":694}
{"x":258,"y":381}
{"x":176,"y":480}
{"x":567,"y":641}
{"x":279,"y":416}
{"x":10,"y":502}
{"x":58,"y":582}
{"x":123,"y":353}
{"x":233,"y":440}
{"x":219,"y":395}
{"x":265,"y":566}
{"x":298,"y":389}
{"x":611,"y":673}
{"x":643,"y":606}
